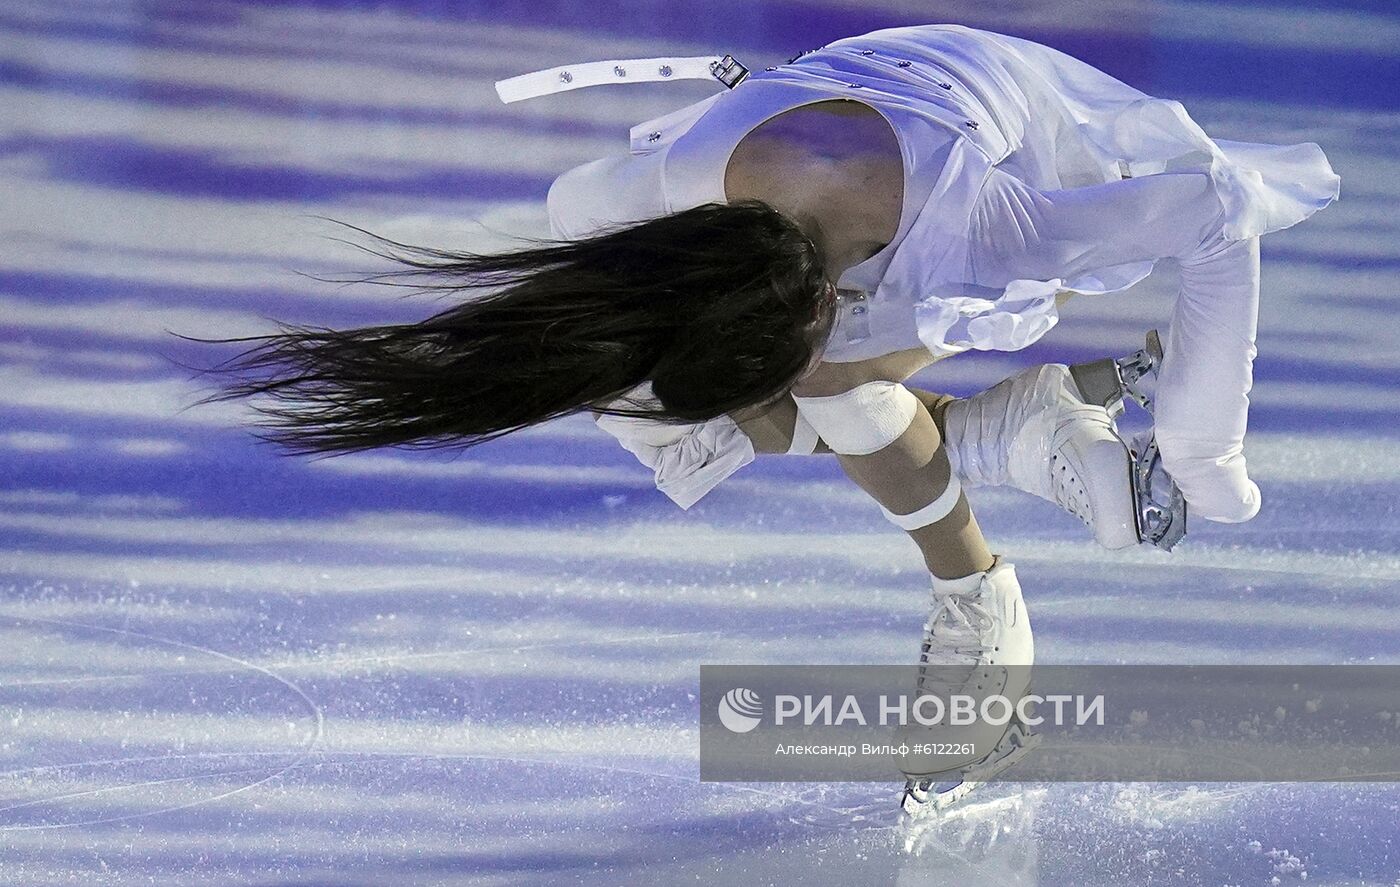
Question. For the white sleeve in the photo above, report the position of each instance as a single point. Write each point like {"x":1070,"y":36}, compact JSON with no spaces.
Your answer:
{"x":614,"y":190}
{"x":1202,"y":403}
{"x":1019,"y":232}
{"x":687,"y":459}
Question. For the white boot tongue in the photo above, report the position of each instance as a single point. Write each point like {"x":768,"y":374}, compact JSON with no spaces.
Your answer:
{"x":957,"y":586}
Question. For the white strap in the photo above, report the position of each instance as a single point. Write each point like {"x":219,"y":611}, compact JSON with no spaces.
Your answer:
{"x":804,"y":437}
{"x":931,"y":513}
{"x":567,"y":77}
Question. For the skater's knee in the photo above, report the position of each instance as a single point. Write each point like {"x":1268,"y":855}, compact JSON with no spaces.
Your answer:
{"x":862,"y":420}
{"x":936,"y":404}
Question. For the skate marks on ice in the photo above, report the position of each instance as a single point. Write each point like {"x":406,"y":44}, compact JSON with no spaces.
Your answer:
{"x":583,"y":659}
{"x":128,"y":724}
{"x":1265,"y":834}
{"x":495,"y":812}
{"x":1141,"y":834}
{"x":155,"y":701}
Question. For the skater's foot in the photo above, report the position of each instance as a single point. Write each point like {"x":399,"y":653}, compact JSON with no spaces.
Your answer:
{"x":1091,"y":473}
{"x":1034,"y":432}
{"x":977,"y":643}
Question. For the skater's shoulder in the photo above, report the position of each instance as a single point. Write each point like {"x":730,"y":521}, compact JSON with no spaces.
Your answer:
{"x":617,"y":189}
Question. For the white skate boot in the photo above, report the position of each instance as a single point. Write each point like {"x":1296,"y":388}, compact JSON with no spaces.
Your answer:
{"x":1034,"y":432}
{"x":977,"y":642}
{"x":1050,"y":431}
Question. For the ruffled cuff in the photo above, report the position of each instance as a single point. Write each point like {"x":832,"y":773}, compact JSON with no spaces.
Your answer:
{"x":702,"y":459}
{"x":1025,"y":311}
{"x":1266,"y":188}
{"x":688,"y":460}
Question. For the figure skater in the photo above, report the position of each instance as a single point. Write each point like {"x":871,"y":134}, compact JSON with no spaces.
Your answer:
{"x":762,"y":271}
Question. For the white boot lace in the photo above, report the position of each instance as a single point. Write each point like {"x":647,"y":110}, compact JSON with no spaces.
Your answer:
{"x":1065,"y":483}
{"x":1069,"y":489}
{"x":953,"y":636}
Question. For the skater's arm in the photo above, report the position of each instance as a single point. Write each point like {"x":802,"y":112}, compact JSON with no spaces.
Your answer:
{"x":1020,"y":232}
{"x":1202,"y":394}
{"x":770,"y":427}
{"x":688,"y":458}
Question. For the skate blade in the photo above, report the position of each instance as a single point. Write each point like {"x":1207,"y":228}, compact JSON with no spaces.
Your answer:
{"x":1160,"y":508}
{"x":1161,"y":511}
{"x":922,"y":797}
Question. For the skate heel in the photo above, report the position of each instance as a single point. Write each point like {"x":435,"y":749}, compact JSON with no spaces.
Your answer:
{"x":1160,"y":518}
{"x":1099,"y":383}
{"x":1108,"y":382}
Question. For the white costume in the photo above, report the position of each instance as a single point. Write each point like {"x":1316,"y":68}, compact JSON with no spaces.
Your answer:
{"x":1027,"y":173}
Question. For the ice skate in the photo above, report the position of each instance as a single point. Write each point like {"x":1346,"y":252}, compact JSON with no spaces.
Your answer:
{"x":1160,"y":509}
{"x":977,"y":642}
{"x":1050,"y":431}
{"x":926,"y":795}
{"x":1034,"y":432}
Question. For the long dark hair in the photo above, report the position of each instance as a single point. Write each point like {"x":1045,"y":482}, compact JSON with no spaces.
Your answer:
{"x":720,"y":307}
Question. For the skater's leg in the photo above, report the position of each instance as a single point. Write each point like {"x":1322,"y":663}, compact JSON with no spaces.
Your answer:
{"x":887,"y":442}
{"x":1032,"y":432}
{"x":909,"y":474}
{"x":770,"y":429}
{"x":936,"y":404}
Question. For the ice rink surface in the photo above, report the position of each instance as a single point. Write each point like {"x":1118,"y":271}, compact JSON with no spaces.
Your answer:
{"x":223,"y":666}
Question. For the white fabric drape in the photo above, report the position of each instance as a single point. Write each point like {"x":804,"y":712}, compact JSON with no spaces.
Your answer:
{"x":1117,"y":231}
{"x":1028,"y":173}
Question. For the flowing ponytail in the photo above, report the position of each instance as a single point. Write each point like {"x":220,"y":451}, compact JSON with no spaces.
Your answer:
{"x":720,"y":307}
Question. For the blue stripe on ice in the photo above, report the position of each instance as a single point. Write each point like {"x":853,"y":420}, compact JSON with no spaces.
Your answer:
{"x":217,"y":662}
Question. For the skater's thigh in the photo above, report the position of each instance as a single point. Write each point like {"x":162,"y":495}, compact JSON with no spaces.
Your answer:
{"x":769,"y":426}
{"x":835,"y":378}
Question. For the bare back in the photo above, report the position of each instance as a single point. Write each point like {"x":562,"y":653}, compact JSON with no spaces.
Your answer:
{"x":837,"y":163}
